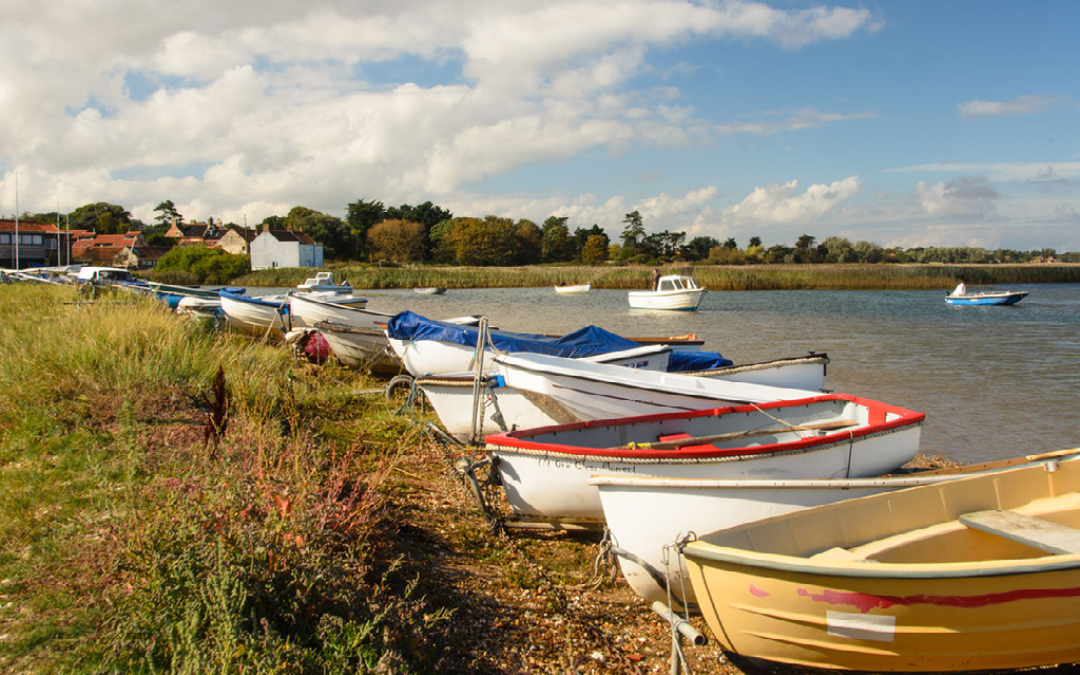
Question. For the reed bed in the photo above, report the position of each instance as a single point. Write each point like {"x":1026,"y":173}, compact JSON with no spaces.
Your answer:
{"x":174,"y":500}
{"x":728,"y":278}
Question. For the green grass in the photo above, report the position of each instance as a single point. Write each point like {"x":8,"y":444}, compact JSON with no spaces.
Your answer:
{"x":132,"y":541}
{"x":729,"y":277}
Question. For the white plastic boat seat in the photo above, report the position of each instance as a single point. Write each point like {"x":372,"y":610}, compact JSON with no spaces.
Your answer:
{"x":1028,"y":530}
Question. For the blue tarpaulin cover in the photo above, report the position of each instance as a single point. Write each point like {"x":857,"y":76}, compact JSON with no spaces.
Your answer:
{"x":587,"y":341}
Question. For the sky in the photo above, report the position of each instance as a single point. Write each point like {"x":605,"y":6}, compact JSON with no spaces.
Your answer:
{"x":915,"y":123}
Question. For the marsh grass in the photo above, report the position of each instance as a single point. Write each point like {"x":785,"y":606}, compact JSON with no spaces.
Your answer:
{"x":729,"y":278}
{"x":129,"y":543}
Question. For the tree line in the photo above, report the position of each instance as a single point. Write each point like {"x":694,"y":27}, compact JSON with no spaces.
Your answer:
{"x":427,"y":233}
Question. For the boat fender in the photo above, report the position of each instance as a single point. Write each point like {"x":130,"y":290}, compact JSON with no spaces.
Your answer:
{"x":294,"y":336}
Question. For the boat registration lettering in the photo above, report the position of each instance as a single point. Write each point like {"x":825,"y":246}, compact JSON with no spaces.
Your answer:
{"x":586,"y":465}
{"x":861,"y":626}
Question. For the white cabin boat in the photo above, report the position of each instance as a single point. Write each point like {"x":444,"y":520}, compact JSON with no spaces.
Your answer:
{"x":324,"y":281}
{"x":672,"y":292}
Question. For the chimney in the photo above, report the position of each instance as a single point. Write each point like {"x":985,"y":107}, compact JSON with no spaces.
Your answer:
{"x":266,"y":227}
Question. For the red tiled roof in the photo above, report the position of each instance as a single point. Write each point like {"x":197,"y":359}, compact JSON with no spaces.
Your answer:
{"x":9,"y":226}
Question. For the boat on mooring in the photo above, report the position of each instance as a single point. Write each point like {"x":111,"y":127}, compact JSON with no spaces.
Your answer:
{"x":673,"y":292}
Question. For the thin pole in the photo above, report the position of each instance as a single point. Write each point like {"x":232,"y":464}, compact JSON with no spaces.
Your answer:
{"x":16,"y":265}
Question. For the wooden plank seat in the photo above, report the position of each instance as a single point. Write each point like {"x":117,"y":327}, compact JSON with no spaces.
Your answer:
{"x":1028,"y":530}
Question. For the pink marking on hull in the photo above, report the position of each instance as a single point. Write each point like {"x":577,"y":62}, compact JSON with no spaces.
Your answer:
{"x":758,"y":592}
{"x":865,"y":602}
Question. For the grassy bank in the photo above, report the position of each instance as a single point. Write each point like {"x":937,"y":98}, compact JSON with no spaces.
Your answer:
{"x":174,"y":500}
{"x":725,"y":278}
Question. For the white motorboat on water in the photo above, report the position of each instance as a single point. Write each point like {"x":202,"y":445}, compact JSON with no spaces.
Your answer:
{"x":644,"y":514}
{"x":430,"y":290}
{"x":545,"y":471}
{"x":324,"y":281}
{"x":532,"y":390}
{"x":672,"y":292}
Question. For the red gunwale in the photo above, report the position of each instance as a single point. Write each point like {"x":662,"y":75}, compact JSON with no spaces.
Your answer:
{"x":517,"y":440}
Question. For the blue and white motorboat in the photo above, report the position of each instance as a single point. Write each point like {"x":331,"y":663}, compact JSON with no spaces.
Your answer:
{"x":986,"y":298}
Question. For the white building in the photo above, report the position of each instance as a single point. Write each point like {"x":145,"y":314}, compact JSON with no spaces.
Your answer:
{"x":284,"y":248}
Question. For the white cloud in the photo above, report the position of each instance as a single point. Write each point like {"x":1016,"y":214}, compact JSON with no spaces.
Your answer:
{"x":1021,"y":105}
{"x":248,"y":107}
{"x":792,"y":120}
{"x":964,"y":197}
{"x":1031,"y":172}
{"x":782,"y":204}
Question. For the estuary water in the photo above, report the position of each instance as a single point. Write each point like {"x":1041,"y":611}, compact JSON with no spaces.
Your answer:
{"x":994,"y":382}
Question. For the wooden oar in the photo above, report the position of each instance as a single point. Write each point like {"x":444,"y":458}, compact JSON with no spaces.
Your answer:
{"x":701,"y":440}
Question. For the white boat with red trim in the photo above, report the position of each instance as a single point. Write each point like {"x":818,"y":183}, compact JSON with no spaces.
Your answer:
{"x":545,"y":471}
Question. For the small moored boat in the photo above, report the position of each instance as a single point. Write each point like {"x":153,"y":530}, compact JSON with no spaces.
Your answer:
{"x":324,"y":281}
{"x":430,"y":290}
{"x":545,"y":471}
{"x":673,"y":291}
{"x":981,"y":573}
{"x":986,"y":298}
{"x":573,"y":290}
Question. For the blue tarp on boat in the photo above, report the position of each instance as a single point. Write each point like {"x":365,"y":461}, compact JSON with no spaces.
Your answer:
{"x":587,"y":341}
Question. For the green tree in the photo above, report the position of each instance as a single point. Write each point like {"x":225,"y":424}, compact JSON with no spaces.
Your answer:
{"x":754,"y":241}
{"x":168,"y":214}
{"x":334,"y":234}
{"x":361,"y":217}
{"x":396,"y":240}
{"x":427,"y":214}
{"x":702,"y":245}
{"x":528,"y":243}
{"x":487,"y":242}
{"x":634,"y":232}
{"x":102,"y":218}
{"x":595,"y":251}
{"x":868,"y":252}
{"x":556,"y":243}
{"x":837,"y":249}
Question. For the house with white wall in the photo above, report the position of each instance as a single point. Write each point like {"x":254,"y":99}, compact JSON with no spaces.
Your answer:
{"x":284,"y":248}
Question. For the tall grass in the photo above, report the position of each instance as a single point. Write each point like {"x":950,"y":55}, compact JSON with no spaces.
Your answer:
{"x":749,"y":277}
{"x":133,"y":541}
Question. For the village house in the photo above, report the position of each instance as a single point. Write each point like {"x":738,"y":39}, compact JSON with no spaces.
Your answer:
{"x":284,"y":248}
{"x":103,"y":248}
{"x":237,"y":240}
{"x":37,"y":244}
{"x":138,"y":257}
{"x":196,"y":234}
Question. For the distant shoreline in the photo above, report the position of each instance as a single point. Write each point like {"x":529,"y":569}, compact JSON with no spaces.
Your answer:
{"x":715,"y":277}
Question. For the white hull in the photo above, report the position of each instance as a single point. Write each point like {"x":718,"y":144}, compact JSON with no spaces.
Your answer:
{"x":646,"y":514}
{"x":799,"y":372}
{"x":532,"y":403}
{"x":674,"y":300}
{"x":315,"y":304}
{"x":257,"y":320}
{"x":554,"y":487}
{"x":599,"y":391}
{"x":572,"y":290}
{"x":312,"y":309}
{"x":434,"y":357}
{"x":360,"y":348}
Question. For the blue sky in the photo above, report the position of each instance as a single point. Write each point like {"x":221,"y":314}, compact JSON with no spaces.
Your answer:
{"x":903,"y":123}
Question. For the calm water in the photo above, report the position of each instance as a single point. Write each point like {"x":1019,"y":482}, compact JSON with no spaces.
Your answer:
{"x":994,"y":382}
